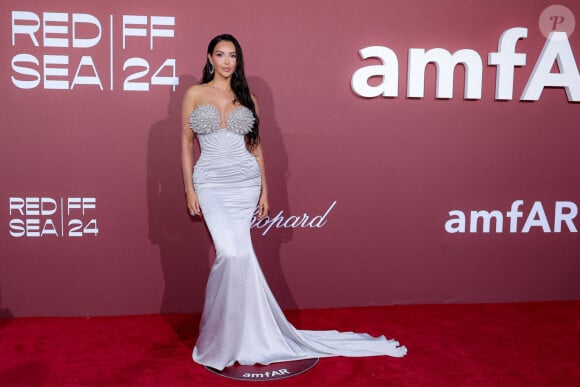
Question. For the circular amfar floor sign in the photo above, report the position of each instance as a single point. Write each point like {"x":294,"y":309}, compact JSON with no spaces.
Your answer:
{"x":261,"y":373}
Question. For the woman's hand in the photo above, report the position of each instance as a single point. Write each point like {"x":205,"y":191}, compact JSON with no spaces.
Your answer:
{"x":263,"y":206}
{"x":192,"y":203}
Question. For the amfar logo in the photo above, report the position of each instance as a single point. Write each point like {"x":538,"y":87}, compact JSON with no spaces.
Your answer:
{"x":563,"y":215}
{"x":267,"y":374}
{"x":47,"y":216}
{"x":556,"y":50}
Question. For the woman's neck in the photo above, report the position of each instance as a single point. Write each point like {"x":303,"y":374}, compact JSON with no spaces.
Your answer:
{"x":220,"y":83}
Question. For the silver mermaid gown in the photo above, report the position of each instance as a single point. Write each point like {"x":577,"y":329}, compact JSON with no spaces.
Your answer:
{"x":241,"y":320}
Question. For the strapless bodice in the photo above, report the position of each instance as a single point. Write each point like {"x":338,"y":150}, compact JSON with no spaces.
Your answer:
{"x":206,"y":118}
{"x":224,"y":160}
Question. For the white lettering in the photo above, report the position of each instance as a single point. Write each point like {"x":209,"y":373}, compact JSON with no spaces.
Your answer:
{"x":49,"y":228}
{"x":82,"y":30}
{"x":557,"y":49}
{"x":453,"y":226}
{"x":514,"y":214}
{"x":80,"y":204}
{"x":17,"y":228}
{"x":267,"y":374}
{"x":445,"y":63}
{"x":486,"y":217}
{"x":30,"y":26}
{"x":321,"y":219}
{"x":133,"y":31}
{"x":78,"y":18}
{"x":32,"y":206}
{"x":506,"y":60}
{"x":57,"y":29}
{"x":536,"y":218}
{"x":565,"y":212}
{"x":277,"y":221}
{"x":85,"y":79}
{"x":44,"y":203}
{"x":162,"y":32}
{"x":32,"y":227}
{"x":567,"y":218}
{"x":25,"y":83}
{"x":292,"y":221}
{"x":55,"y":71}
{"x":16,"y":204}
{"x":130,"y":83}
{"x":388,"y":71}
{"x":73,"y":203}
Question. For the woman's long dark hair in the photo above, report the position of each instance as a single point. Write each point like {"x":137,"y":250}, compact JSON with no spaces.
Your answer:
{"x":238,"y":83}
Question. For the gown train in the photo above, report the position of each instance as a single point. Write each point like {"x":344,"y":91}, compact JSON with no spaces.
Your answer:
{"x":241,"y":320}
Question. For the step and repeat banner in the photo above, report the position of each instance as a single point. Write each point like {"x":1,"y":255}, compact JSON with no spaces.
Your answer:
{"x":416,"y":152}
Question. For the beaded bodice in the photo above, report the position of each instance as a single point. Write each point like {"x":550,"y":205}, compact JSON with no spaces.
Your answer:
{"x":224,"y":159}
{"x":206,"y":118}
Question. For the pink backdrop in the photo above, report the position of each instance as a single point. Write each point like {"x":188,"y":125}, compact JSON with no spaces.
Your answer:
{"x":387,"y":177}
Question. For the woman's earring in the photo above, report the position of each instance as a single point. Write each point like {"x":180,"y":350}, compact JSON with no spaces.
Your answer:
{"x":210,"y":68}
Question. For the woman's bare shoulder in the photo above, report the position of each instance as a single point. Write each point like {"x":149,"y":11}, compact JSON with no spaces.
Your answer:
{"x":195,"y":91}
{"x":195,"y":95}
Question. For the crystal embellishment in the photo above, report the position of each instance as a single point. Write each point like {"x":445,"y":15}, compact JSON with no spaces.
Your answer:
{"x":206,"y":119}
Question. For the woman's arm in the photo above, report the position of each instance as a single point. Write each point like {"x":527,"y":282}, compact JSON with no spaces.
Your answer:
{"x":187,"y":146}
{"x":263,"y":203}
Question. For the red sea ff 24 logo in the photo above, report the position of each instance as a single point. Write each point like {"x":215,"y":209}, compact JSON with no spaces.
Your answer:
{"x":86,"y":36}
{"x":52,"y":217}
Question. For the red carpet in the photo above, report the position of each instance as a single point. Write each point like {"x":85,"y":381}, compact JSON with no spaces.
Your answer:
{"x":531,"y":344}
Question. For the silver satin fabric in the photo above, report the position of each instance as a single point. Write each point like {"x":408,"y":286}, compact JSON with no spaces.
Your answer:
{"x":241,"y":320}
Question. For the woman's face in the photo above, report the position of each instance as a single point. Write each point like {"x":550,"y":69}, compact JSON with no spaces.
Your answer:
{"x":224,"y":59}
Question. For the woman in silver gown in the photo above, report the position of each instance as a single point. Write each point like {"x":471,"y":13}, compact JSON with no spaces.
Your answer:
{"x":241,"y":320}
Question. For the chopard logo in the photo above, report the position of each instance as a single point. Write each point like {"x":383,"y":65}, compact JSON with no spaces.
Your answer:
{"x":292,"y":221}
